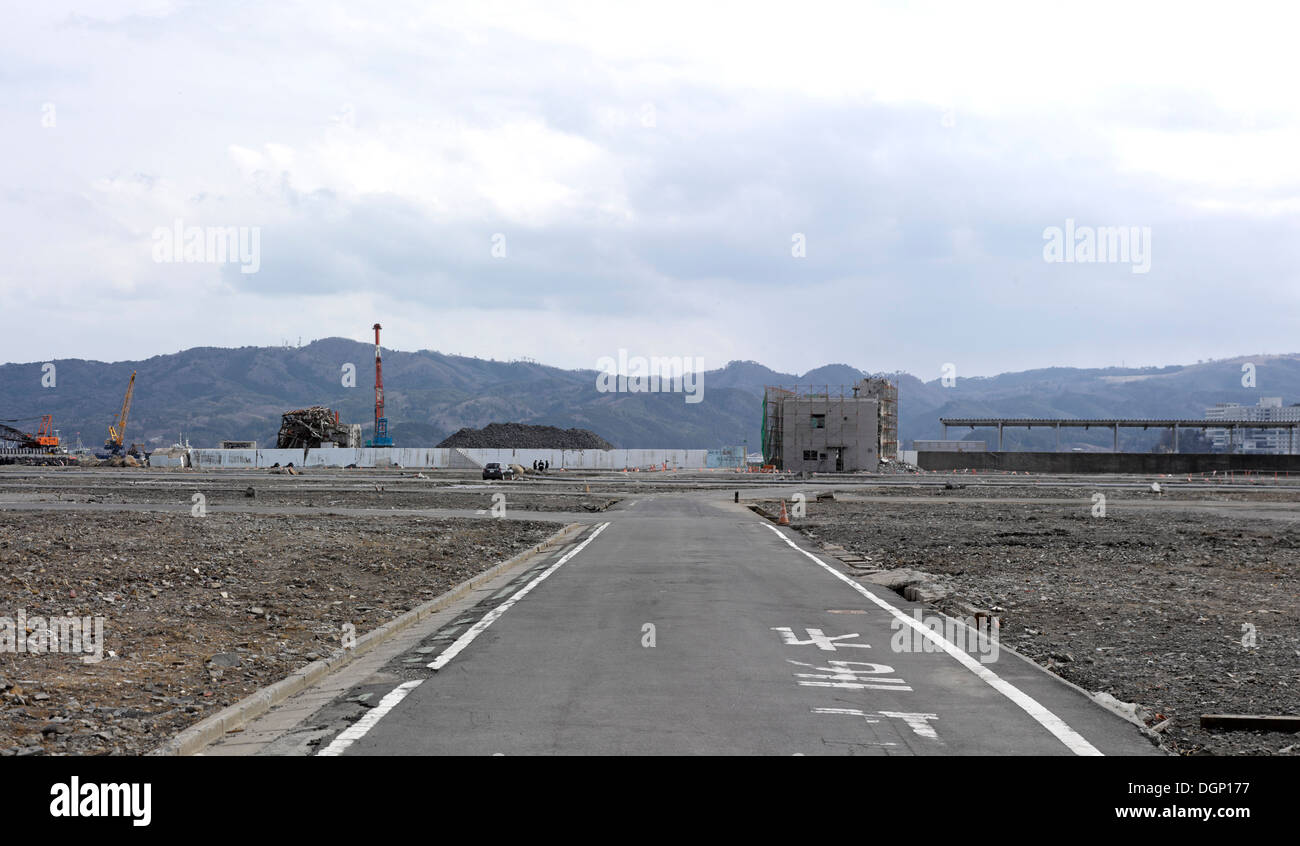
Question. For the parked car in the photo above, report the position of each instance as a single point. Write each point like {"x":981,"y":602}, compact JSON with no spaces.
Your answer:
{"x":493,"y":470}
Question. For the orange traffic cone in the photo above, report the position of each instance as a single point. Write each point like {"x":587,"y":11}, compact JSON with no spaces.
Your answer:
{"x":784,"y":519}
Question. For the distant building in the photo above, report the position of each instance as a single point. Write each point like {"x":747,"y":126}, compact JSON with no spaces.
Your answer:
{"x":820,"y":429}
{"x":239,"y":444}
{"x":949,"y":446}
{"x":1259,"y":441}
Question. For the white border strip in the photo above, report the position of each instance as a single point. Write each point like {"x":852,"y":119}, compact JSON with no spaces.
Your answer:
{"x":1074,"y":741}
{"x":358,"y":730}
{"x":492,"y":616}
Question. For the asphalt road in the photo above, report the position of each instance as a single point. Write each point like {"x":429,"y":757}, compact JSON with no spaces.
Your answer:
{"x":687,"y":625}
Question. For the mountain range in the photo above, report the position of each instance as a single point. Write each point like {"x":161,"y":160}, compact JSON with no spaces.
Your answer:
{"x":208,"y":394}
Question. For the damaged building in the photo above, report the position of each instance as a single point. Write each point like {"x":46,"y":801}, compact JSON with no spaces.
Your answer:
{"x":828,"y":429}
{"x":315,"y":427}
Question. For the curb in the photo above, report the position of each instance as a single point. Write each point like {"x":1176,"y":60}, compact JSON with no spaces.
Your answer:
{"x":213,"y":728}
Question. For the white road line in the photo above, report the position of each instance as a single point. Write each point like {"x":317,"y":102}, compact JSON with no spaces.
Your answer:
{"x":357,"y":730}
{"x":1074,"y":741}
{"x":493,"y":615}
{"x":853,"y":712}
{"x":918,"y":723}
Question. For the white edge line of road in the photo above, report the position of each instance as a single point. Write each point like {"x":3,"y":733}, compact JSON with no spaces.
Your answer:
{"x":1074,"y":741}
{"x":492,"y":616}
{"x":357,"y":730}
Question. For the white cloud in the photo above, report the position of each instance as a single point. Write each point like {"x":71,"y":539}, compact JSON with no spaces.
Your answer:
{"x":648,"y":166}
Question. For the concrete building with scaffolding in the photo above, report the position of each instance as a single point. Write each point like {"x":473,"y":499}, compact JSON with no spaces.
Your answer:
{"x":828,"y":429}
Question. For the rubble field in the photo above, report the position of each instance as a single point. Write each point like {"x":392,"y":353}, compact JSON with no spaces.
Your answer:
{"x":1264,"y":492}
{"x":1183,"y":613}
{"x":284,"y":492}
{"x":200,"y":612}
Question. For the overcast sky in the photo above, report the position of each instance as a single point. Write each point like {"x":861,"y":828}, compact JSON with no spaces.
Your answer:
{"x":647,"y":170}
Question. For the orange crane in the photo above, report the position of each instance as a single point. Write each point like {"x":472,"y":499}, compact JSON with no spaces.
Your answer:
{"x":45,"y":435}
{"x":117,"y":430}
{"x":43,"y":438}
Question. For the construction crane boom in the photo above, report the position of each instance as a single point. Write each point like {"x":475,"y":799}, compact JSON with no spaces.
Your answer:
{"x":117,"y":430}
{"x":9,"y":433}
{"x":43,"y":439}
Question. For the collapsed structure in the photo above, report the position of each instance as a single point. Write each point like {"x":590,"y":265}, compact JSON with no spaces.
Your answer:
{"x":311,"y":428}
{"x":830,"y":430}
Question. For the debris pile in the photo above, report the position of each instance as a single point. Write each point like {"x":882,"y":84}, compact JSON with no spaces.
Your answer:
{"x":310,"y":427}
{"x":525,"y":436}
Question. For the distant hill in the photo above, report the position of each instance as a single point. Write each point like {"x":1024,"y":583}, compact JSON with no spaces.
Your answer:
{"x":1175,"y":391}
{"x":213,"y":393}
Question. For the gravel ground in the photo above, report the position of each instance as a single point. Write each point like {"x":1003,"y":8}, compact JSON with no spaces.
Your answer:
{"x":376,"y":495}
{"x":1150,"y":608}
{"x":1170,"y":492}
{"x":201,"y":612}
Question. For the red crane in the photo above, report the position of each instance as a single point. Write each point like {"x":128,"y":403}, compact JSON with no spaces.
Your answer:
{"x":381,"y":438}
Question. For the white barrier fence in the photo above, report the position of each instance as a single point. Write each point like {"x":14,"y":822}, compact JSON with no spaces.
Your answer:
{"x":435,"y":458}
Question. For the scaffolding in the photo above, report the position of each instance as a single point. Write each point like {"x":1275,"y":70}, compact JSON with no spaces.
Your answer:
{"x":888,"y":396}
{"x":772,"y":428}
